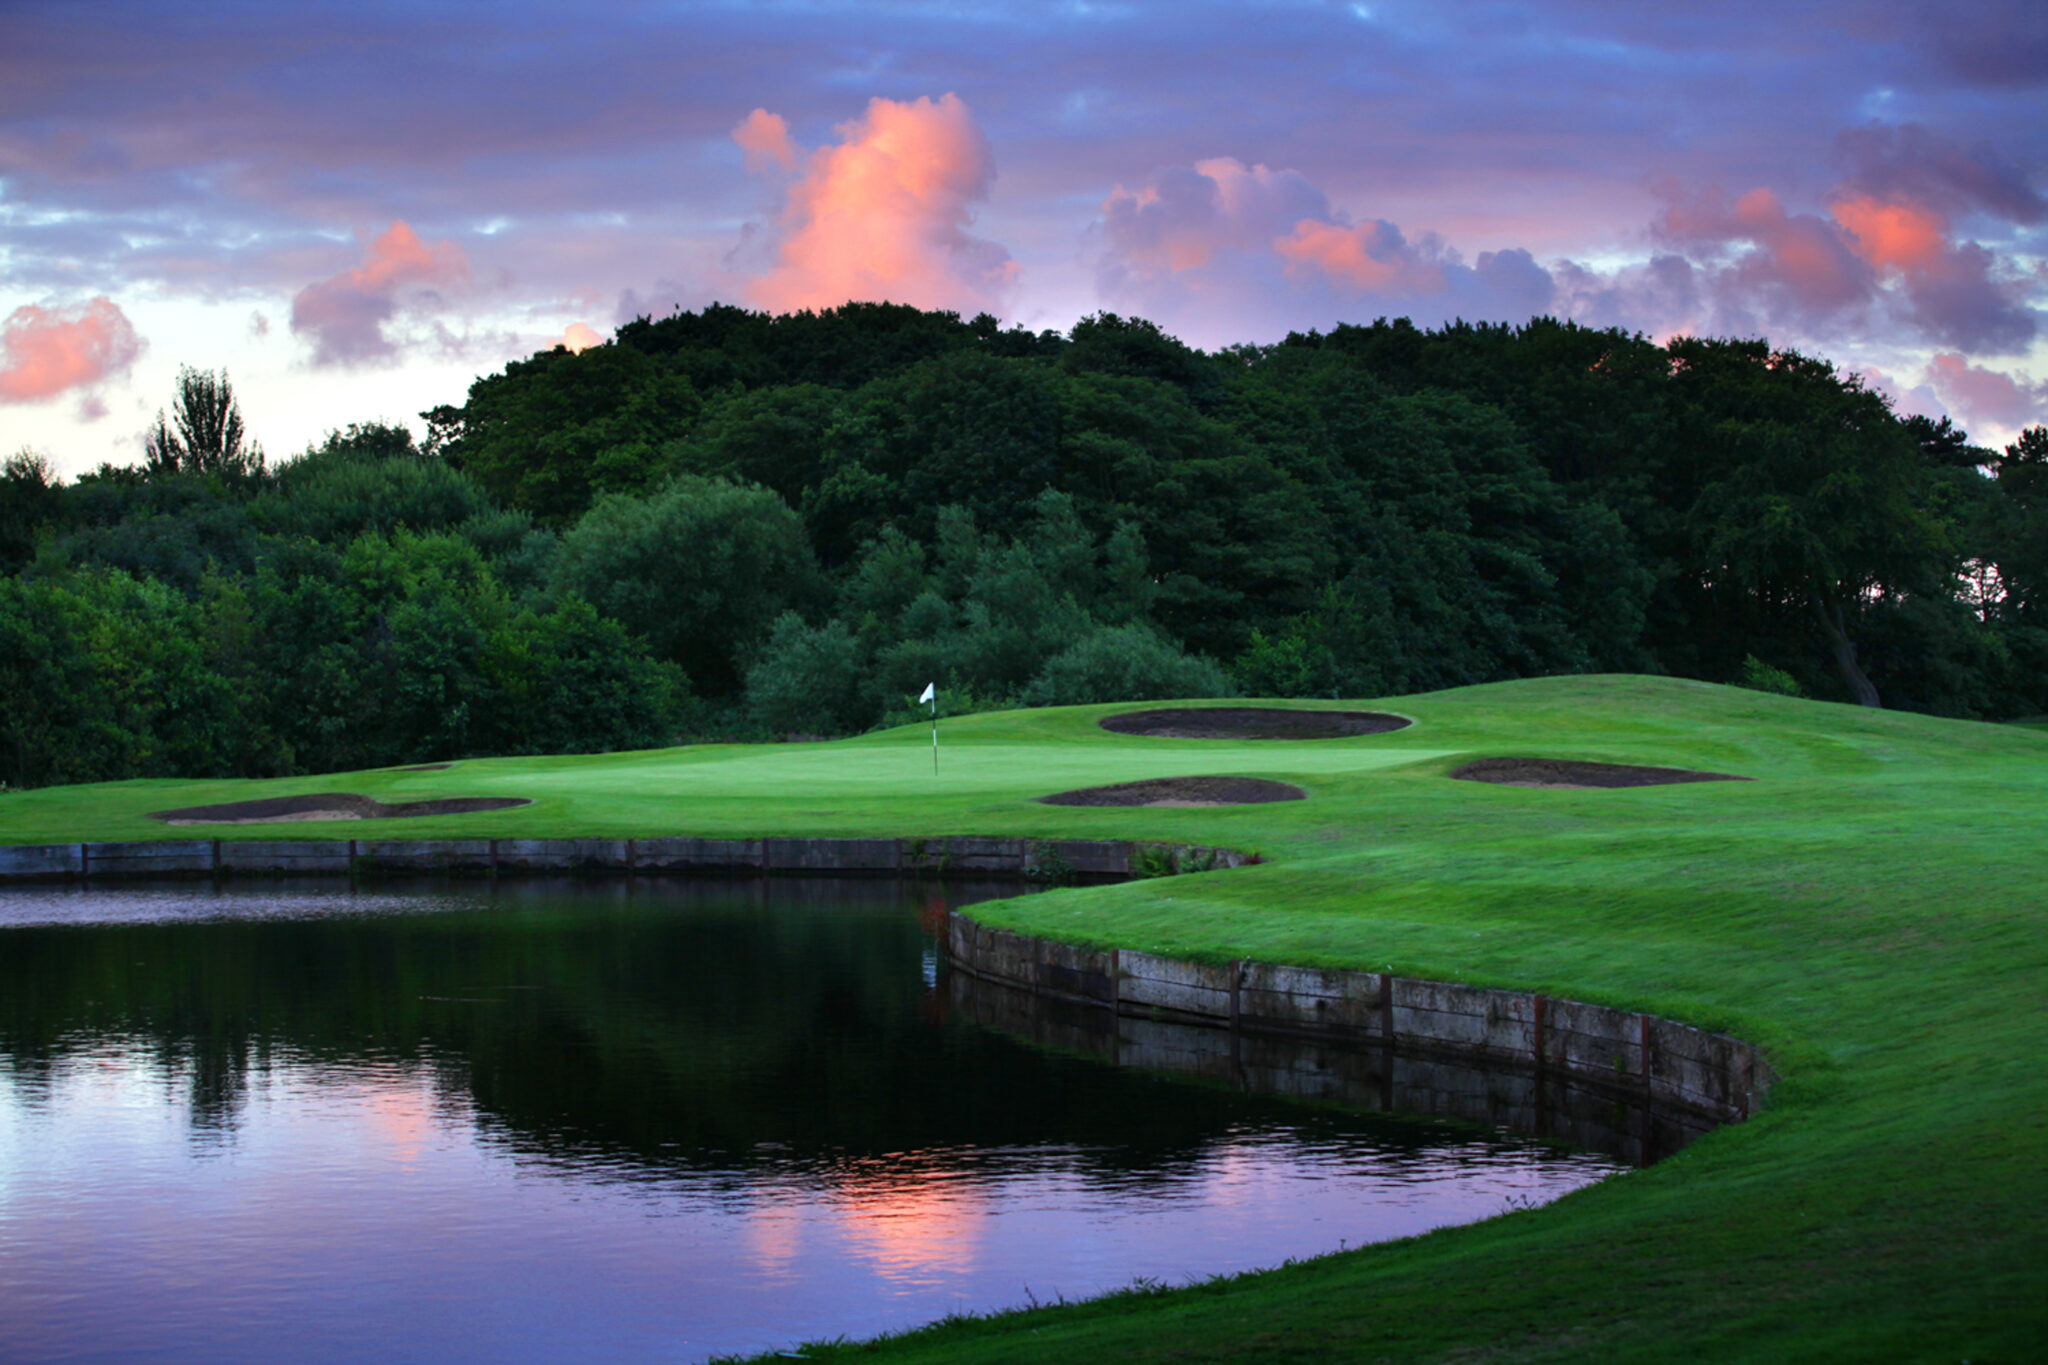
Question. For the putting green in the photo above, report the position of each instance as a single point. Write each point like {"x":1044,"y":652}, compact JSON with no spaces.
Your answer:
{"x":1872,"y":909}
{"x":976,"y":769}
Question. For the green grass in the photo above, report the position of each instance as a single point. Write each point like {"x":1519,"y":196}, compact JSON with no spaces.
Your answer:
{"x":1873,"y":910}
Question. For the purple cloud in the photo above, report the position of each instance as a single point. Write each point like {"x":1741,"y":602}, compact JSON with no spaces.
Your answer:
{"x":1987,"y":397}
{"x":344,"y":315}
{"x":1909,"y":164}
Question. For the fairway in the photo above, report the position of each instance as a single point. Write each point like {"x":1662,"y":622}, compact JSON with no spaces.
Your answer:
{"x":1871,"y":909}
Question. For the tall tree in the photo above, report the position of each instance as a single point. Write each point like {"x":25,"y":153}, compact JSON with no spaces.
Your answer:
{"x":1808,"y":498}
{"x":205,"y":433}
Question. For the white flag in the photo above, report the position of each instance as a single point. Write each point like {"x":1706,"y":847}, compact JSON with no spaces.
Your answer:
{"x":930,"y":690}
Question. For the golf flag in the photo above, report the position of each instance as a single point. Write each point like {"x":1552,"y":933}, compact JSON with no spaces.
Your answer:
{"x":931,"y":694}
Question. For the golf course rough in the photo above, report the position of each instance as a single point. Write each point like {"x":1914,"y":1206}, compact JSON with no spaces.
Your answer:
{"x":1871,"y":910}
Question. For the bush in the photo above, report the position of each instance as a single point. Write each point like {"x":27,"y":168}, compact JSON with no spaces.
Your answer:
{"x":572,"y":682}
{"x":808,"y":680}
{"x":699,"y":569}
{"x":1759,"y":676}
{"x":1124,"y":663}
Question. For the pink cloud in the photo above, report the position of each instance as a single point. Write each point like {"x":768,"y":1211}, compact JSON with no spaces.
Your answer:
{"x":1892,"y":236}
{"x":1885,"y":252}
{"x":345,"y":314}
{"x":1986,"y":397}
{"x":1372,"y":256}
{"x":45,"y":351}
{"x":578,"y":337}
{"x":1799,"y":265}
{"x":883,"y":216}
{"x":1949,"y":287}
{"x":764,"y":137}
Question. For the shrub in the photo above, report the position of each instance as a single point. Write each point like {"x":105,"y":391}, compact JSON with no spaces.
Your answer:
{"x":1124,"y":663}
{"x":1759,"y":676}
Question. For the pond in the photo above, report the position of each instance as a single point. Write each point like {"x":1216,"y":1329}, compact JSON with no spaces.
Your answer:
{"x":647,"y":1119}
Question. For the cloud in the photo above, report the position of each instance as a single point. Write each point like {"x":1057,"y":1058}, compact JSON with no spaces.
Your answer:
{"x":1990,"y":43}
{"x":1956,"y":301}
{"x":764,"y":137}
{"x":345,"y":314}
{"x":1797,"y":267}
{"x":883,"y":215}
{"x":1220,"y":252}
{"x":1918,"y":401}
{"x":1985,"y":397}
{"x":1186,"y":216}
{"x":1373,"y":256}
{"x":1892,"y":236}
{"x":578,"y":337}
{"x":1906,"y":163}
{"x":1661,"y":296}
{"x":1884,"y":259}
{"x":45,"y":351}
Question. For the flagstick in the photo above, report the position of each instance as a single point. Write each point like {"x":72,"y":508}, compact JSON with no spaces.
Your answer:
{"x":935,"y":734}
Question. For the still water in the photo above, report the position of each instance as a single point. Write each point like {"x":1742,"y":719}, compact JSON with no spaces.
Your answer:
{"x":657,"y":1120}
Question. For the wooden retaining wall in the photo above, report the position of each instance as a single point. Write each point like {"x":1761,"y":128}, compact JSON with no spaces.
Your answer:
{"x":1665,"y":1062}
{"x":1047,"y":860}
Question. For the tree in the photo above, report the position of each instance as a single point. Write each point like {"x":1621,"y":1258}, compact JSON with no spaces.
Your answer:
{"x":554,"y":432}
{"x":1808,"y":501}
{"x":205,"y":433}
{"x":699,"y":569}
{"x":1124,"y":663}
{"x":28,"y":502}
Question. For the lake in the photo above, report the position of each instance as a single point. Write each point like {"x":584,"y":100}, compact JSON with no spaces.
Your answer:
{"x":635,"y":1119}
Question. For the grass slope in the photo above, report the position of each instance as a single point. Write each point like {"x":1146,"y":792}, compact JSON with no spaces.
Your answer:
{"x":1873,"y":909}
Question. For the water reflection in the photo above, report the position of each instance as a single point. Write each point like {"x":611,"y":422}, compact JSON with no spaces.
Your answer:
{"x":616,"y":1119}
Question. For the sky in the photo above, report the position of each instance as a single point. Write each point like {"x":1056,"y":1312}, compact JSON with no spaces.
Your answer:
{"x":356,"y":209}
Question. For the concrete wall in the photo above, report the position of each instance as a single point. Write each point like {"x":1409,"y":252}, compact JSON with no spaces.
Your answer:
{"x":1617,"y":1052}
{"x":1049,"y":860}
{"x":1549,"y":1103}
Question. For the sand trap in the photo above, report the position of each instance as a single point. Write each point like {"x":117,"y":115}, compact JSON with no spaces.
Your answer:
{"x":1251,"y":722}
{"x":280,"y":810}
{"x":1181,"y":791}
{"x":1580,"y":776}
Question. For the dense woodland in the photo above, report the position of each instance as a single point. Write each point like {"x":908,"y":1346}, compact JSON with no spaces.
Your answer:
{"x":735,"y":524}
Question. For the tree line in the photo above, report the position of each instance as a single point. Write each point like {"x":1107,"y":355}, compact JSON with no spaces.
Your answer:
{"x":732,"y":523}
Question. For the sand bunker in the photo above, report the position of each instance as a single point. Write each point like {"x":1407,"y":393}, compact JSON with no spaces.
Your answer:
{"x":1181,"y":791}
{"x":1251,"y":722}
{"x":1579,"y":776}
{"x":330,"y":806}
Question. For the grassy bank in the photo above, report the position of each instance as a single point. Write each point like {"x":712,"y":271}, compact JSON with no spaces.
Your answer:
{"x":1873,"y":909}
